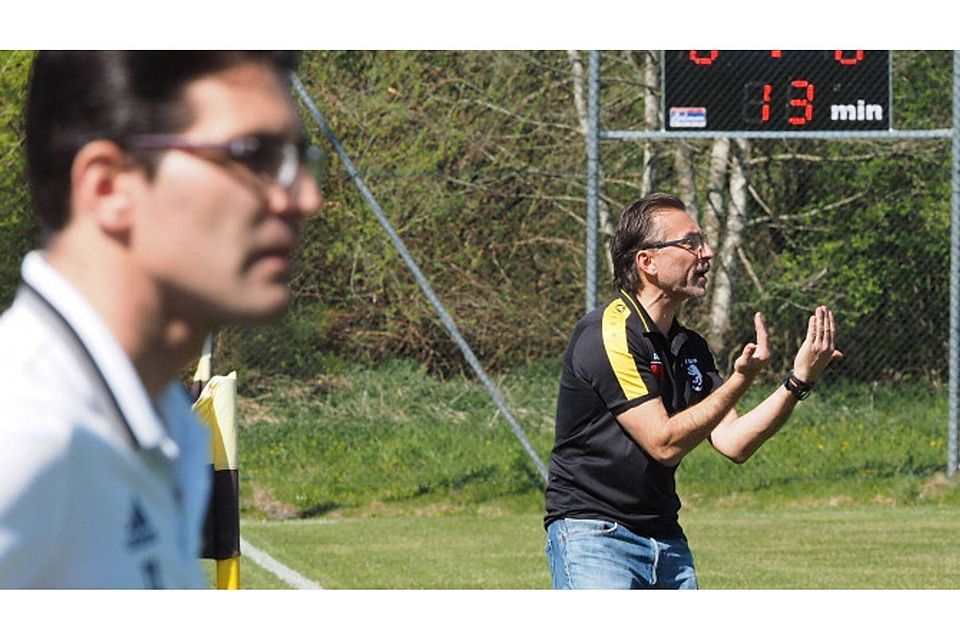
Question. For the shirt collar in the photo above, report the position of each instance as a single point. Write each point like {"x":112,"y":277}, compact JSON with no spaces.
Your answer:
{"x":648,"y":325}
{"x":124,"y":384}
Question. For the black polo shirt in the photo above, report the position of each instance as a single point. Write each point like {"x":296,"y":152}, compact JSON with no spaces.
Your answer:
{"x":618,"y":359}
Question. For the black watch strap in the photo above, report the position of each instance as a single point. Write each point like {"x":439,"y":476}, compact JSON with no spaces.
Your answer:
{"x":797,"y":387}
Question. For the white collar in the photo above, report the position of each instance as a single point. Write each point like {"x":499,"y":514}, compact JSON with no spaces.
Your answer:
{"x":124,"y":384}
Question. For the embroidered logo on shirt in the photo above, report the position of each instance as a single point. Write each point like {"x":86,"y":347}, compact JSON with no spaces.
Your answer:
{"x":139,"y":530}
{"x":693,"y":371}
{"x":656,"y":367}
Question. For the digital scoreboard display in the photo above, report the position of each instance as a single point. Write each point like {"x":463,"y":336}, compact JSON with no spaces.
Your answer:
{"x":721,"y":90}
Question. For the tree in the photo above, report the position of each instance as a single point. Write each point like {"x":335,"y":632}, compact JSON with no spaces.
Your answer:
{"x":19,"y":230}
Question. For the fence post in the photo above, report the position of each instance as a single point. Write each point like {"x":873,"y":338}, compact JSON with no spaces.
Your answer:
{"x":593,"y":176}
{"x":954,"y":365}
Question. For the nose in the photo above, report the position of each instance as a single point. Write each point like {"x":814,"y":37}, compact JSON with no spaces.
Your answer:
{"x":706,"y":251}
{"x":302,"y":198}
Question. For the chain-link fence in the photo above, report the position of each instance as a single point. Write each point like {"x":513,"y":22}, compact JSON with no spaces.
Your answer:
{"x":477,"y":160}
{"x":495,"y":216}
{"x":483,"y":177}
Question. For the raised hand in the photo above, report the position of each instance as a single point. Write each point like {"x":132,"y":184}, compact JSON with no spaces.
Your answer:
{"x":818,"y":348}
{"x":756,"y":355}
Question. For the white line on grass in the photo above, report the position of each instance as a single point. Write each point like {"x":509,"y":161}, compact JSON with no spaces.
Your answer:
{"x":277,"y":568}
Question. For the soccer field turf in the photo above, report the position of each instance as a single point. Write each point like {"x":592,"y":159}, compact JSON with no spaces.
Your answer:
{"x":879,"y":547}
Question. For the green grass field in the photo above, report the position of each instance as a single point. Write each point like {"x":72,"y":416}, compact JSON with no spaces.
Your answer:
{"x":878,"y":547}
{"x":396,"y":440}
{"x":389,"y":478}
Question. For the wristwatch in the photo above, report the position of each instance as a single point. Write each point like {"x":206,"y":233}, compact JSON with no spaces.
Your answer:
{"x":796,"y":386}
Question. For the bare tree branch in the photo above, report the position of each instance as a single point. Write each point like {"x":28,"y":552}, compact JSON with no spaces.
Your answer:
{"x":683,"y":165}
{"x":716,"y":178}
{"x":721,"y":303}
{"x":750,"y":272}
{"x":806,"y":215}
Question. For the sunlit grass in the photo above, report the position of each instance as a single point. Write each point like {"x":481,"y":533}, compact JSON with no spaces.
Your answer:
{"x":397,"y":440}
{"x":878,"y":547}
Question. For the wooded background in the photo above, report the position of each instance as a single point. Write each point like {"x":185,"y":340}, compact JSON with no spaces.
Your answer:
{"x":478,"y":159}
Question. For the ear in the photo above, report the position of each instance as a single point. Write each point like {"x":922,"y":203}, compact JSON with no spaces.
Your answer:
{"x":644,"y":263}
{"x":100,"y":186}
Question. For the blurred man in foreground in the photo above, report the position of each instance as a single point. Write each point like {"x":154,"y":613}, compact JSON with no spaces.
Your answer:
{"x":638,"y":392}
{"x":171,"y":187}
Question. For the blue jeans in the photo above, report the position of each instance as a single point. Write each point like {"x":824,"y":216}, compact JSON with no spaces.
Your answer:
{"x":599,"y":554}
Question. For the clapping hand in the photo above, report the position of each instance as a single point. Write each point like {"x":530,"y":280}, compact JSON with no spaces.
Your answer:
{"x":819,"y":348}
{"x":756,"y":355}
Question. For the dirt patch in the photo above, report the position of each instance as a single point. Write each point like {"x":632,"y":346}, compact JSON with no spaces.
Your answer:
{"x":736,"y":500}
{"x":250,"y":410}
{"x":844,"y":501}
{"x":378,"y":509}
{"x":936,"y":487}
{"x":325,"y":383}
{"x":375,"y":509}
{"x":270,"y":506}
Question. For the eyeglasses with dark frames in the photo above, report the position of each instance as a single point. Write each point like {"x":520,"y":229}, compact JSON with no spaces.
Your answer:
{"x":274,"y":158}
{"x":693,"y":243}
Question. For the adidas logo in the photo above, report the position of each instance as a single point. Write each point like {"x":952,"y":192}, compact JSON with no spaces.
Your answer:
{"x":139,"y":530}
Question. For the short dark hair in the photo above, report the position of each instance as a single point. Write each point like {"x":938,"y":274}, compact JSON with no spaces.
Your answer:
{"x":635,"y":231}
{"x":76,"y":97}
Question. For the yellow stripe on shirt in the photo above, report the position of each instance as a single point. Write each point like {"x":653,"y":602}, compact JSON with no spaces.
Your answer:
{"x":637,"y":307}
{"x":614,"y":331}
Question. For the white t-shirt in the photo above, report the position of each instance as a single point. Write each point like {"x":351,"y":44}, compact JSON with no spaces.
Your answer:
{"x":99,"y":486}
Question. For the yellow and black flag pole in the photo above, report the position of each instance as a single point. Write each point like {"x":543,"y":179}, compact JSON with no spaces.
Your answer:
{"x":216,"y":405}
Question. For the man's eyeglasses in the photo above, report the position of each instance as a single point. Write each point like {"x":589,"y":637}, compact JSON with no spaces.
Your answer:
{"x":693,"y":243}
{"x":274,"y":158}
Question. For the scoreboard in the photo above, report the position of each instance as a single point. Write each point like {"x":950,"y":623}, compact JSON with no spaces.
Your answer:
{"x":721,"y":90}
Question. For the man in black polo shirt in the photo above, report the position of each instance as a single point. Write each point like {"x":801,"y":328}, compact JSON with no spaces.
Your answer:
{"x":638,"y":392}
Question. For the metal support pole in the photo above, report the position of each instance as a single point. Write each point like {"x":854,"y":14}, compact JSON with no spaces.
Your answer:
{"x":593,"y":175}
{"x":954,"y":276}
